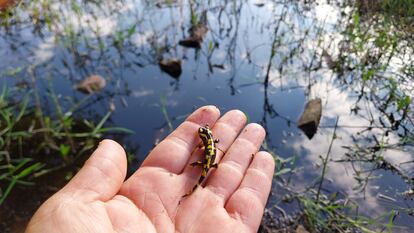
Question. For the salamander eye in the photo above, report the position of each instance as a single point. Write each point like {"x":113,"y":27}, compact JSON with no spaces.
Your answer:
{"x":200,"y":130}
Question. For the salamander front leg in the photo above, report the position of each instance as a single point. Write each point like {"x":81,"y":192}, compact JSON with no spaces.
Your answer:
{"x":200,"y":146}
{"x":198,"y":163}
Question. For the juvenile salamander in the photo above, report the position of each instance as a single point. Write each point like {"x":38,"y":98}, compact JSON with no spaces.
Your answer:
{"x":210,"y":151}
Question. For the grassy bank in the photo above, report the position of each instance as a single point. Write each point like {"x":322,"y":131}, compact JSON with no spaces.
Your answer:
{"x":37,"y":138}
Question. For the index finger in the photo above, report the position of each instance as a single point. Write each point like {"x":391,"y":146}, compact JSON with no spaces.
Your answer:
{"x":173,"y":152}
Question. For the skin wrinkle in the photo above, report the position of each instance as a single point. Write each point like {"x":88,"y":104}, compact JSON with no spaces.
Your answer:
{"x":155,"y":222}
{"x":176,"y":140}
{"x":190,"y":226}
{"x":127,"y":201}
{"x":158,"y":199}
{"x":227,"y":127}
{"x":173,"y":215}
{"x":52,"y":214}
{"x":62,"y":208}
{"x":217,"y":189}
{"x":158,"y":169}
{"x":244,"y":141}
{"x":255,"y":194}
{"x":110,"y":219}
{"x":107,"y":178}
{"x":110,"y":158}
{"x":81,"y":192}
{"x":261,"y":173}
{"x":111,"y":163}
{"x":163,"y":211}
{"x":257,"y":130}
{"x":191,"y":217}
{"x":197,"y":125}
{"x":240,"y":217}
{"x":170,"y":215}
{"x":190,"y":124}
{"x":204,"y":112}
{"x":233,"y":165}
{"x":213,"y":190}
{"x":166,"y":211}
{"x":172,"y":170}
{"x":235,"y":113}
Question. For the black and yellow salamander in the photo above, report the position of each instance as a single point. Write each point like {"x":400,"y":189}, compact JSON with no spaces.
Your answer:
{"x":210,"y":152}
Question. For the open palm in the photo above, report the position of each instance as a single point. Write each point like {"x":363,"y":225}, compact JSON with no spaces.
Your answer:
{"x":233,"y":198}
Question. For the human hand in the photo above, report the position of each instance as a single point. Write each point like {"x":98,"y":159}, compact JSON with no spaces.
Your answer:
{"x":98,"y":199}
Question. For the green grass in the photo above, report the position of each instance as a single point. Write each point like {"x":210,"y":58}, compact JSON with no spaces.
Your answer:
{"x":321,"y":210}
{"x":34,"y":142}
{"x":374,"y":42}
{"x":397,"y":9}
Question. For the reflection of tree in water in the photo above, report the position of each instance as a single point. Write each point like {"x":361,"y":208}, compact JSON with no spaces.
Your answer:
{"x":376,"y":58}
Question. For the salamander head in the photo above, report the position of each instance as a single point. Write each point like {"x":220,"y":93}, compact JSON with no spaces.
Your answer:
{"x":204,"y":130}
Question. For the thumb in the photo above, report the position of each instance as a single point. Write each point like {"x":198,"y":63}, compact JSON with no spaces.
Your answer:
{"x":102,"y":175}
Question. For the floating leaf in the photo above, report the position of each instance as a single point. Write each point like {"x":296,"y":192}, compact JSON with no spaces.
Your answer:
{"x":91,"y":84}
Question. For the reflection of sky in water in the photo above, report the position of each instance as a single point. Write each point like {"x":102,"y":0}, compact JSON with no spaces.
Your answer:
{"x":303,"y":32}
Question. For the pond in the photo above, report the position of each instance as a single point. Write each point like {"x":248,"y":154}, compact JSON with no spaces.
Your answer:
{"x":266,"y":58}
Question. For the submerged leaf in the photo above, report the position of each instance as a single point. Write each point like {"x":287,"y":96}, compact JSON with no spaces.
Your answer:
{"x":301,"y":229}
{"x":283,"y":171}
{"x":190,"y":42}
{"x":91,"y":84}
{"x":259,"y":4}
{"x":309,"y":121}
{"x":196,"y":37}
{"x":165,"y":3}
{"x":6,"y":3}
{"x":328,"y":59}
{"x":171,"y":67}
{"x":64,"y":150}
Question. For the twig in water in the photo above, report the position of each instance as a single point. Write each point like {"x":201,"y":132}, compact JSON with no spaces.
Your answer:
{"x":325,"y":161}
